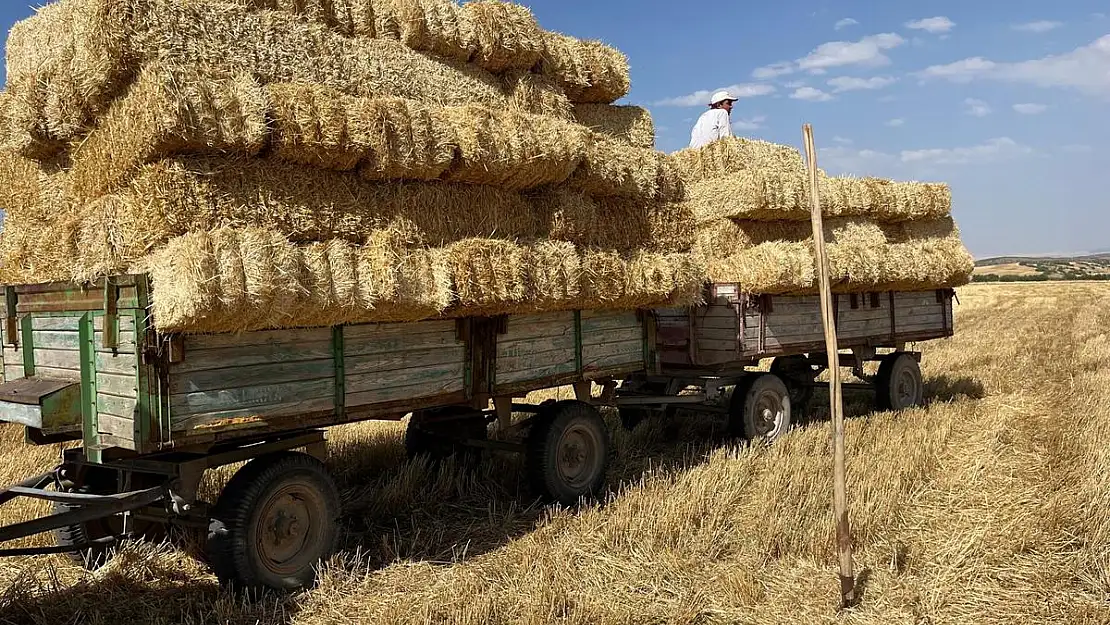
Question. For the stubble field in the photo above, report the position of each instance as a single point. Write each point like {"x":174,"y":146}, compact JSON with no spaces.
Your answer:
{"x":987,"y":506}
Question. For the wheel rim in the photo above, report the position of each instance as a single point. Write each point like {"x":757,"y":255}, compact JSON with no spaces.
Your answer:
{"x":768,"y":412}
{"x":906,"y":388}
{"x":290,"y":529}
{"x":578,"y":457}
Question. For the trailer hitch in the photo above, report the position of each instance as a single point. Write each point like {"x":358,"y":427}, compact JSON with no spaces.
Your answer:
{"x":84,"y":508}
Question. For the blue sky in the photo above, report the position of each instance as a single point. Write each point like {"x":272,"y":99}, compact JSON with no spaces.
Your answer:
{"x":1006,"y":101}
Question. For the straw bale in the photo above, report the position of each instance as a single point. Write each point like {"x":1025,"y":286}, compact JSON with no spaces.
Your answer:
{"x":436,"y":26}
{"x":35,"y":250}
{"x":613,"y":169}
{"x":767,"y":257}
{"x":778,"y":195}
{"x":231,"y":280}
{"x":507,"y":35}
{"x":169,"y":110}
{"x":588,"y":71}
{"x":387,"y":137}
{"x":735,"y":154}
{"x":95,"y":61}
{"x":32,"y":188}
{"x":536,"y":93}
{"x":620,"y":224}
{"x":642,"y":279}
{"x":631,"y":125}
{"x":514,"y":150}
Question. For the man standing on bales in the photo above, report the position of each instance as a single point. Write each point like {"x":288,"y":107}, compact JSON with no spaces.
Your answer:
{"x":715,"y":123}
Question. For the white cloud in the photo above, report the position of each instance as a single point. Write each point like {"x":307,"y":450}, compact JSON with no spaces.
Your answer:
{"x":867,"y":52}
{"x":896,"y":123}
{"x":934,"y":25}
{"x":849,"y":83}
{"x":1041,"y":26}
{"x":1030,"y":108}
{"x":701,"y":98}
{"x":810,"y":94}
{"x":991,"y":151}
{"x":751,"y":123}
{"x":845,"y":23}
{"x":794,"y":84}
{"x":1086,"y":68}
{"x":977,"y":108}
{"x":773,"y":70}
{"x":842,"y":140}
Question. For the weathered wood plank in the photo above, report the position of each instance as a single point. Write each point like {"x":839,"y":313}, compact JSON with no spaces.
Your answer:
{"x":391,"y":343}
{"x":111,"y":440}
{"x":534,"y":373}
{"x":717,"y":346}
{"x":250,"y":355}
{"x":717,"y":334}
{"x":123,"y":407}
{"x":398,"y":393}
{"x":529,"y":362}
{"x":53,"y":339}
{"x":373,"y":331}
{"x":439,"y":376}
{"x":13,"y":371}
{"x":539,"y":319}
{"x":116,"y":384}
{"x":635,"y":335}
{"x":523,"y":347}
{"x":263,"y":337}
{"x":58,"y":374}
{"x":416,"y":359}
{"x":599,"y":325}
{"x":524,"y":331}
{"x":232,"y":419}
{"x":251,"y":397}
{"x":122,"y":363}
{"x":116,"y":426}
{"x":719,"y":322}
{"x":126,"y":342}
{"x":614,"y":354}
{"x":257,"y":375}
{"x":57,"y":359}
{"x":24,"y":414}
{"x":71,"y":324}
{"x":876,"y":326}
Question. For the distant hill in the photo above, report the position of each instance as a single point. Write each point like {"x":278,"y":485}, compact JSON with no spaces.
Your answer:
{"x":1094,"y":266}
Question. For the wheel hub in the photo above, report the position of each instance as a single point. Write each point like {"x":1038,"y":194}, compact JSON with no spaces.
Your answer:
{"x":769,"y":412}
{"x":288,"y":532}
{"x":906,"y":389}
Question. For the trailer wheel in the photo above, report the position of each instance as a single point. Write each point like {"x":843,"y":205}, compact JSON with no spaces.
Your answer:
{"x":568,"y":452}
{"x":760,"y":408}
{"x":798,"y":374}
{"x":273,"y":522}
{"x":898,"y":385}
{"x":92,"y":558}
{"x":439,"y":440}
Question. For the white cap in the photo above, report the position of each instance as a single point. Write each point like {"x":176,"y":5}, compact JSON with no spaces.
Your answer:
{"x":721,"y":96}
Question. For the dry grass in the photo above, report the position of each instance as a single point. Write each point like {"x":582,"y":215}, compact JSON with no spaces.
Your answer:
{"x":985,"y":507}
{"x":230,"y":280}
{"x":1007,"y":269}
{"x":777,"y":257}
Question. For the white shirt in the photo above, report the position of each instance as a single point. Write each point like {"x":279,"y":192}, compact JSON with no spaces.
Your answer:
{"x":712,"y":125}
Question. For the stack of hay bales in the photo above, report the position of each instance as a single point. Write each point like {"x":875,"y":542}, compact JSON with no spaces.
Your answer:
{"x":281,"y":163}
{"x":751,"y":203}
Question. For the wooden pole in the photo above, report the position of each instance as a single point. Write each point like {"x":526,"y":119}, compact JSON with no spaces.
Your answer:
{"x":828,"y":319}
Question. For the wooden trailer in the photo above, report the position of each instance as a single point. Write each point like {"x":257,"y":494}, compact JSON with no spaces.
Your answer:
{"x":154,"y":411}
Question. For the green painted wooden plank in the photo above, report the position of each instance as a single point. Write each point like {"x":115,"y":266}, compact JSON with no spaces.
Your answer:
{"x":257,"y":375}
{"x":451,"y":374}
{"x":399,"y":393}
{"x":89,"y":407}
{"x":399,"y":343}
{"x":531,"y":346}
{"x":536,"y":373}
{"x":27,"y":345}
{"x":289,"y":338}
{"x":339,"y":367}
{"x":614,"y":336}
{"x":226,"y":420}
{"x":538,"y":360}
{"x":605,"y":324}
{"x":371,"y":331}
{"x":125,"y":342}
{"x":123,"y":407}
{"x":58,"y":374}
{"x":378,"y":363}
{"x":251,"y":355}
{"x":117,"y":384}
{"x":67,"y":323}
{"x":122,"y":428}
{"x":51,"y":339}
{"x":123,"y":363}
{"x":577,"y":340}
{"x":58,"y":359}
{"x":202,"y":402}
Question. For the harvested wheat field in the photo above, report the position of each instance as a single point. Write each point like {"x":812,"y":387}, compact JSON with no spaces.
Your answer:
{"x":987,"y":506}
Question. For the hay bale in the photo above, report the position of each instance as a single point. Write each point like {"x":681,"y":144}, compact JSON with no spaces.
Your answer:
{"x":733,"y":155}
{"x":507,"y":35}
{"x":230,"y":280}
{"x":613,"y":169}
{"x":436,"y":26}
{"x":768,"y":257}
{"x":386,"y":138}
{"x":631,"y":125}
{"x":92,"y":68}
{"x":784,"y":195}
{"x":35,"y":250}
{"x":169,"y":110}
{"x":538,"y":94}
{"x":514,"y":150}
{"x":623,"y":225}
{"x":588,"y":71}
